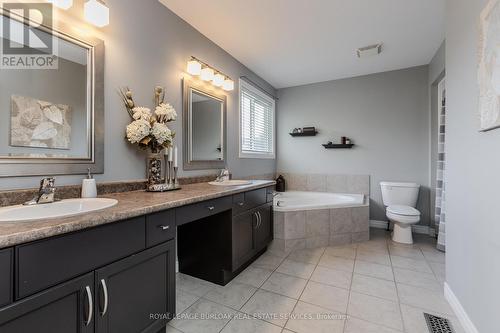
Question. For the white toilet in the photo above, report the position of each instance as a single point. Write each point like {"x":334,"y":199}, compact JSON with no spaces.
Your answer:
{"x":401,"y":200}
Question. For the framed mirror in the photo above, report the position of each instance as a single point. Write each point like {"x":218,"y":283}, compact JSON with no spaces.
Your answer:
{"x":52,"y":119}
{"x":204,"y":114}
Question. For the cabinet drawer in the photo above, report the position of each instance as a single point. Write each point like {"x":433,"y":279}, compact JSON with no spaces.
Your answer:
{"x":160,"y":227}
{"x":202,"y":209}
{"x":248,"y":200}
{"x":6,"y":276}
{"x":48,"y":262}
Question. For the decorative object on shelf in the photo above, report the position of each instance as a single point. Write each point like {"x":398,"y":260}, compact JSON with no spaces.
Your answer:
{"x":306,"y":131}
{"x":150,"y":132}
{"x":196,"y":67}
{"x":96,"y":12}
{"x":280,"y":184}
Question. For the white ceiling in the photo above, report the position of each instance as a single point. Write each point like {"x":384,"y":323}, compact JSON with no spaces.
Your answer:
{"x":295,"y":42}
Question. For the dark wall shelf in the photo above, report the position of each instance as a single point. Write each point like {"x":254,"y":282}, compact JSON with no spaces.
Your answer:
{"x":338,"y":146}
{"x":304,"y":134}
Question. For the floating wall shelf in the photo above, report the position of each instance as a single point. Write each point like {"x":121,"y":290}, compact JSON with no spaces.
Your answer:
{"x":338,"y":146}
{"x":304,"y":134}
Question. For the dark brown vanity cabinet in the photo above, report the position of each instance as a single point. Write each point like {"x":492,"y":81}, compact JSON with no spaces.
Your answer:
{"x":6,"y":276}
{"x":66,"y":308}
{"x":136,"y":294}
{"x":264,"y":230}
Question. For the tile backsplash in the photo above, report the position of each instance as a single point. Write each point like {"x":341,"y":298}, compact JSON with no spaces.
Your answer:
{"x":352,"y":184}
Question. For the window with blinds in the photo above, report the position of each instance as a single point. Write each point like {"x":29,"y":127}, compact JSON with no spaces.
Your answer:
{"x":256,"y":122}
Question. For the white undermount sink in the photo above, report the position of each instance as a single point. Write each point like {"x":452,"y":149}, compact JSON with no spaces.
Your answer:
{"x":57,"y":209}
{"x":231,"y":183}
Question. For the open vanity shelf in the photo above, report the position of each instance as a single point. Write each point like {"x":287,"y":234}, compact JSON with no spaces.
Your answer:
{"x":338,"y":146}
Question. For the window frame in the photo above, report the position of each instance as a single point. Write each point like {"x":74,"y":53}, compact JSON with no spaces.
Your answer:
{"x":267,"y":98}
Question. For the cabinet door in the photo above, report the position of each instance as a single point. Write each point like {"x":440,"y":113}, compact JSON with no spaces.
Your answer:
{"x":264,"y":230}
{"x":66,"y":308}
{"x":137,"y":294}
{"x":243,"y":238}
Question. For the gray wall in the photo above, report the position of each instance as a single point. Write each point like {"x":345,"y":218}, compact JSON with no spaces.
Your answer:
{"x":385,"y":114}
{"x":473,"y":177}
{"x":436,"y":74}
{"x":148,"y":45}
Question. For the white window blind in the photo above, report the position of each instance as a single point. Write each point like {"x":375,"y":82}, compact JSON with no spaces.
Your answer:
{"x":256,"y":123}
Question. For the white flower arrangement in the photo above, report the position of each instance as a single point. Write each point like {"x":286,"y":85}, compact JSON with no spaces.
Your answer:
{"x":149,"y":130}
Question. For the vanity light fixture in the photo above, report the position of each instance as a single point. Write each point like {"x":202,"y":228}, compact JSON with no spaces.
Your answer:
{"x":207,"y":74}
{"x":196,"y":67}
{"x":63,"y":4}
{"x":218,"y":80}
{"x":228,"y":85}
{"x":96,"y":12}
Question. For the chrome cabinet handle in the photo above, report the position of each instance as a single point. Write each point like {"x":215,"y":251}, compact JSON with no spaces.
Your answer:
{"x":91,"y":306}
{"x":164,"y":227}
{"x":257,"y":220}
{"x":105,"y":291}
{"x":241,"y":204}
{"x":260,"y":220}
{"x":211,"y":208}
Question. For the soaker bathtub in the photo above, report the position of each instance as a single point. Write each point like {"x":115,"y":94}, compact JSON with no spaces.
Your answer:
{"x":297,"y":200}
{"x":318,"y":219}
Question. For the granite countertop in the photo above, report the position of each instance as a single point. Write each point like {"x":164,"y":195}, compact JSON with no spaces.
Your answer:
{"x":130,"y":204}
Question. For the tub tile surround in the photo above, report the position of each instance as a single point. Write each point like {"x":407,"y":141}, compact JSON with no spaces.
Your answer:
{"x":319,"y":228}
{"x":352,"y":184}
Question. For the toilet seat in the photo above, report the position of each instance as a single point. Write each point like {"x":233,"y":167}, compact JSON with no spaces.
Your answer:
{"x":403,"y":210}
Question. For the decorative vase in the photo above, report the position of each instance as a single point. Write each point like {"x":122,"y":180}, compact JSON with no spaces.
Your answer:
{"x":154,"y":168}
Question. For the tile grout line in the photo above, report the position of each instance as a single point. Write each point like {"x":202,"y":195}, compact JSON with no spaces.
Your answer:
{"x":350,"y":290}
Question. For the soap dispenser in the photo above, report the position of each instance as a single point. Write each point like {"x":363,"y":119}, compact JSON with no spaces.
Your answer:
{"x":89,"y":186}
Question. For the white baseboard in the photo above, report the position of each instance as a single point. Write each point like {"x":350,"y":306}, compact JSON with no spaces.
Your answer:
{"x":418,"y":229}
{"x":462,"y":316}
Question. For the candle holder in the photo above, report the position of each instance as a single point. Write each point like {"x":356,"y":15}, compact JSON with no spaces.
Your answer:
{"x":171,"y":182}
{"x":176,"y":180}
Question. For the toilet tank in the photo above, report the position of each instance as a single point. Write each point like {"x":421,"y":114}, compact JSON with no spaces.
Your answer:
{"x":405,"y":194}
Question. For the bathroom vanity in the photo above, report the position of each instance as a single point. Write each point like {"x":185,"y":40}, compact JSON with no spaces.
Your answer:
{"x":114,"y":270}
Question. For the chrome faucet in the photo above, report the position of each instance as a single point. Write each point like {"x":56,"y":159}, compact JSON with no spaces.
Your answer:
{"x":223,"y":175}
{"x":46,"y":192}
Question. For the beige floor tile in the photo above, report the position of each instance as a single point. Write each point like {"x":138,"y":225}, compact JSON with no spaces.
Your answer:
{"x":439,"y":270}
{"x":184,"y":300}
{"x":374,"y":270}
{"x":414,"y":320}
{"x":285,"y":285}
{"x":270,"y":307}
{"x":308,"y":318}
{"x":332,"y":277}
{"x":193,"y":285}
{"x":233,"y":295}
{"x":375,"y":310}
{"x":423,"y":298}
{"x":193,"y":319}
{"x":342,"y":264}
{"x":406,"y":252}
{"x":411,"y":264}
{"x":355,"y":325}
{"x":326,"y":296}
{"x":295,"y":268}
{"x":309,"y":256}
{"x":374,"y":287}
{"x":434,"y":256}
{"x":346,"y":251}
{"x":254,"y":276}
{"x":374,"y":257}
{"x":250,"y":325}
{"x":268,"y":261}
{"x":418,"y":279}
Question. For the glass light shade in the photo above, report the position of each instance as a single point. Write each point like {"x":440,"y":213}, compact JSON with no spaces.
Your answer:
{"x":63,"y":4}
{"x":96,"y":13}
{"x":194,"y":67}
{"x":218,"y":80}
{"x":228,"y":85}
{"x":207,"y":74}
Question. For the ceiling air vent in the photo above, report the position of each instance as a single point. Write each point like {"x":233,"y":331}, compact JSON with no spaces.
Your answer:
{"x":370,"y":50}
